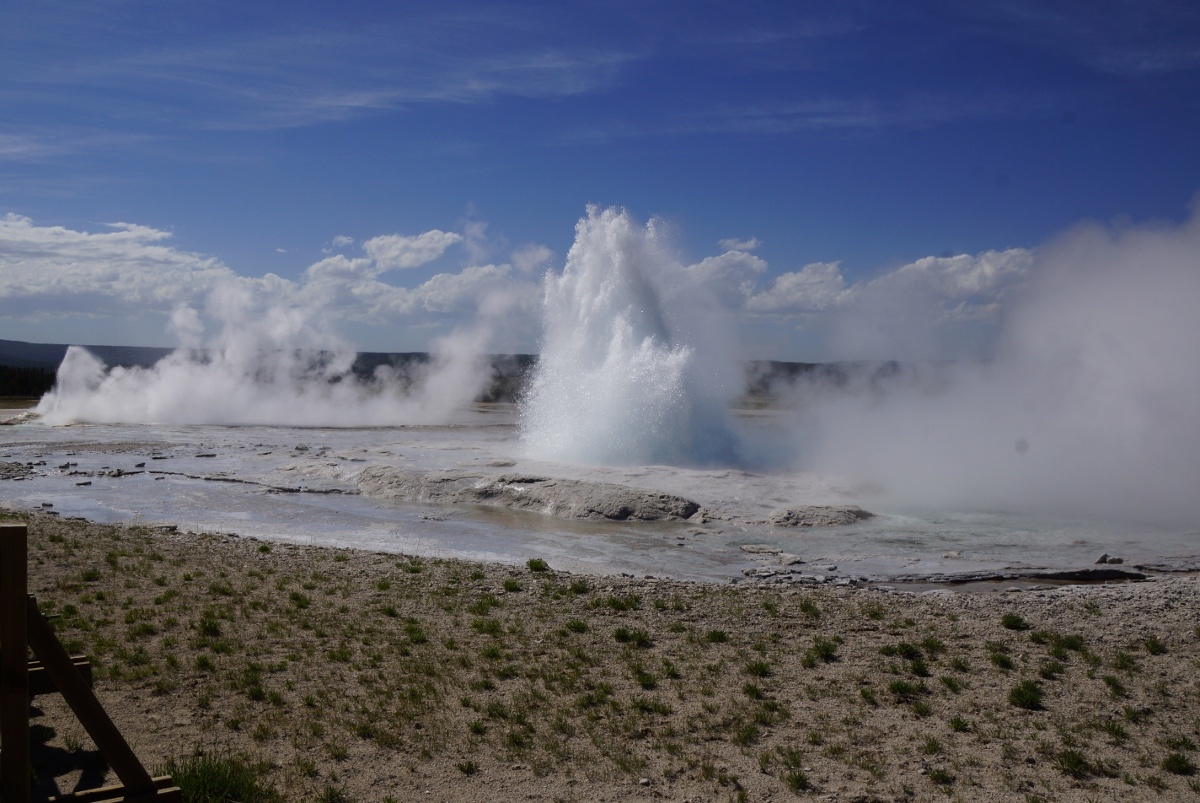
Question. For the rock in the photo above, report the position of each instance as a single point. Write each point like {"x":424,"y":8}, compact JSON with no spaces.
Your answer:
{"x":568,"y":499}
{"x":1102,"y":559}
{"x":952,"y":555}
{"x":818,"y":516}
{"x":761,"y":549}
{"x":14,"y":471}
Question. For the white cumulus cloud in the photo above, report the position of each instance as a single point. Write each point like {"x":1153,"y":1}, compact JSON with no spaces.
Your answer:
{"x":734,"y":244}
{"x":816,"y":287}
{"x":396,"y":251}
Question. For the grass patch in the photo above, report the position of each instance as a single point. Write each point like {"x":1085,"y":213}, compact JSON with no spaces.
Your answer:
{"x":220,"y":779}
{"x":1027,"y":694}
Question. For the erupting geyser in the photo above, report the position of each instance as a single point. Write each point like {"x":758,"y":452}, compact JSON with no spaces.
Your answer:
{"x":626,"y":375}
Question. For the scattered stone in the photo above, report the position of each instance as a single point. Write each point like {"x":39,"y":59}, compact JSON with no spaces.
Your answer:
{"x":85,"y":482}
{"x":953,"y":554}
{"x":818,"y":516}
{"x":14,"y":471}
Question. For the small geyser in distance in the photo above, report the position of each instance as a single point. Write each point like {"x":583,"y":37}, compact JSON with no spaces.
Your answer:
{"x":635,"y":365}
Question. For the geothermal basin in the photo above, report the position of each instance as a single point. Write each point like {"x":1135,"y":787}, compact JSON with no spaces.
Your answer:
{"x":304,"y":485}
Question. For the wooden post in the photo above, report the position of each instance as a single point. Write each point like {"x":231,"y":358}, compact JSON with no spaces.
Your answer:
{"x":14,"y":664}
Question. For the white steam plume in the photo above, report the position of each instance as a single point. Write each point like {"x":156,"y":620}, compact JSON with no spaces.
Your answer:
{"x":267,"y":364}
{"x":1088,"y":408}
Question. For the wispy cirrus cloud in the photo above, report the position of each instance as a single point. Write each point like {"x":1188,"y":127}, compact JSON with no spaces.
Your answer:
{"x":1118,"y":37}
{"x":290,"y":75}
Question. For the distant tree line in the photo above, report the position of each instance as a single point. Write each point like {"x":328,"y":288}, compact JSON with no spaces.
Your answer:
{"x":25,"y":381}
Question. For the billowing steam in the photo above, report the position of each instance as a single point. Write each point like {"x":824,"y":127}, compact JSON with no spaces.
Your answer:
{"x":632,"y":369}
{"x":1088,"y":408}
{"x":1086,"y":405}
{"x":267,"y":364}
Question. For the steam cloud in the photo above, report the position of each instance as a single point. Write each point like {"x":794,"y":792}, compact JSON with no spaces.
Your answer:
{"x":1088,"y":408}
{"x":268,"y":364}
{"x":1087,"y":405}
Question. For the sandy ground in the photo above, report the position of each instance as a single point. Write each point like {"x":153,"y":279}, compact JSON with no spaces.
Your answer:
{"x":371,"y":677}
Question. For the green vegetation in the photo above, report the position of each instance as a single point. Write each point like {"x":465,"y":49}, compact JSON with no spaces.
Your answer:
{"x":1027,"y":694}
{"x":221,"y":779}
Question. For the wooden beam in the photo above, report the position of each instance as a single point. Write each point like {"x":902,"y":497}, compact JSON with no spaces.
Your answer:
{"x":41,"y":683}
{"x":164,"y":792}
{"x":14,"y":664}
{"x":83,"y":702}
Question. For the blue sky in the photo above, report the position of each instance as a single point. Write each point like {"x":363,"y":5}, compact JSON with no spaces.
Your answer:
{"x":235,"y":140}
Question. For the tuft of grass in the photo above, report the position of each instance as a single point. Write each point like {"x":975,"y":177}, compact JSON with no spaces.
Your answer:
{"x":758,"y":669}
{"x":1073,"y":763}
{"x":1155,"y":646}
{"x":1027,"y":694}
{"x":620,"y":604}
{"x":823,"y":649}
{"x":220,"y":779}
{"x":906,"y":691}
{"x":1124,"y":662}
{"x":1014,"y":621}
{"x":537,"y":565}
{"x":1178,"y":764}
{"x":796,"y":781}
{"x":716,"y":637}
{"x":1051,"y":670}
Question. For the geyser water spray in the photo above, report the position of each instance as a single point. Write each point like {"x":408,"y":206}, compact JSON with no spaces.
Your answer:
{"x":631,"y":370}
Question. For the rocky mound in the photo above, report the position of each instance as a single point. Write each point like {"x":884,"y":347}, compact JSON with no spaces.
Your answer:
{"x":818,"y":515}
{"x":568,"y":499}
{"x":14,"y":471}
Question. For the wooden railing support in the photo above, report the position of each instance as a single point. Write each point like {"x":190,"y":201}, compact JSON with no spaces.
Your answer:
{"x":14,"y":664}
{"x":23,"y":626}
